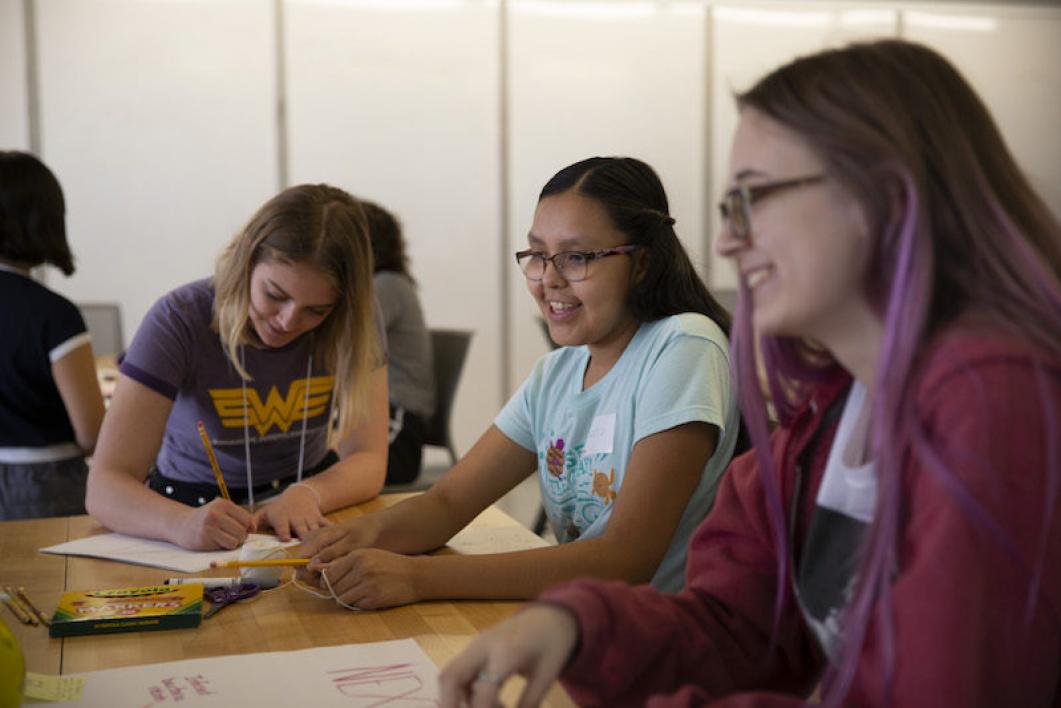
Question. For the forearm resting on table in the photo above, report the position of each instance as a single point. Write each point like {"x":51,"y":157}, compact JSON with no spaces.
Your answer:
{"x":122,"y":503}
{"x":416,"y":525}
{"x":354,"y":479}
{"x":525,"y":574}
{"x":427,"y":521}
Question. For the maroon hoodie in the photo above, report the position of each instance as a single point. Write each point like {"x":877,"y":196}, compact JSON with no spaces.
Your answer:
{"x":959,"y":598}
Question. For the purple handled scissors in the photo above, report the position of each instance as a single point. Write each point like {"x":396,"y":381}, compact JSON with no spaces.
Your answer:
{"x":222,"y":596}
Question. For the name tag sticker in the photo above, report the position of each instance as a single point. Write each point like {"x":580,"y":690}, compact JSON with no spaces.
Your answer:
{"x":601,"y":435}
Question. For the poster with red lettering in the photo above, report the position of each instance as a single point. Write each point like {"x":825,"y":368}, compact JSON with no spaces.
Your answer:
{"x":395,"y":674}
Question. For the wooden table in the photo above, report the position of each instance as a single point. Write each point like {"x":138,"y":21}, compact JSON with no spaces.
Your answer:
{"x":285,"y":620}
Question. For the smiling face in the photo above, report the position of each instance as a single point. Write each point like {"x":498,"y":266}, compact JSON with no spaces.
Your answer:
{"x":287,"y":300}
{"x":593,"y":311}
{"x":808,"y":251}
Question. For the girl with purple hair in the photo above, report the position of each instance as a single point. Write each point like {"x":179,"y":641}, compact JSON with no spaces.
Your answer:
{"x":890,"y":541}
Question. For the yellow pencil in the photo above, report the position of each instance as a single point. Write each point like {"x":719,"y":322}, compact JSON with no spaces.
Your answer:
{"x":21,"y":592}
{"x":213,"y":460}
{"x":259,"y":563}
{"x":15,"y":606}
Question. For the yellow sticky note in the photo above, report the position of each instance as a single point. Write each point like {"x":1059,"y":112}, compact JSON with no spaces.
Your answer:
{"x":43,"y":687}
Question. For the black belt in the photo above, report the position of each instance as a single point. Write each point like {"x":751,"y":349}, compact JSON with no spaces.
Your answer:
{"x":198,"y":493}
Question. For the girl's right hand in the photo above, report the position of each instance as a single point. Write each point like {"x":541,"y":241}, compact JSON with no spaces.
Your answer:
{"x":326,"y":544}
{"x":329,"y":543}
{"x":536,"y":643}
{"x":218,"y":524}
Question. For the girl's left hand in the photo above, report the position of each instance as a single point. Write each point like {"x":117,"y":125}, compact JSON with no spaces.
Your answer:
{"x":295,"y":513}
{"x":371,"y":579}
{"x":535,"y":643}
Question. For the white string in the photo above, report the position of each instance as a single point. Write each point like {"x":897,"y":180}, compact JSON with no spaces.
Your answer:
{"x":331,"y":592}
{"x":292,"y":580}
{"x":246,"y":430}
{"x":311,"y":591}
{"x":246,"y":423}
{"x":305,"y":413}
{"x":327,"y":582}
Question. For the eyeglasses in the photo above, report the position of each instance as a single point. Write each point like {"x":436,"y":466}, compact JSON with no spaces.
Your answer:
{"x":571,"y":265}
{"x":736,"y":205}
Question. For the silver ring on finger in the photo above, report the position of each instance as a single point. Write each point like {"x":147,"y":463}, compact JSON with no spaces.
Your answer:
{"x":489,"y":678}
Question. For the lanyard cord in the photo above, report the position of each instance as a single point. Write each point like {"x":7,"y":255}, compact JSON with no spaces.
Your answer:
{"x":246,"y":423}
{"x":246,"y":430}
{"x":305,"y":410}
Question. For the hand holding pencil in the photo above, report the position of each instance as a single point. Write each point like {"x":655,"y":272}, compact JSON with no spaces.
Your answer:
{"x":219,"y":523}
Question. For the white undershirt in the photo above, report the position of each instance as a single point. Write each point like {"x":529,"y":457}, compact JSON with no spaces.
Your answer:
{"x":849,"y":489}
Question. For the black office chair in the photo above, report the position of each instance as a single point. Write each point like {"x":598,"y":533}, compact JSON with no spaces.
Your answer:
{"x":449,"y":350}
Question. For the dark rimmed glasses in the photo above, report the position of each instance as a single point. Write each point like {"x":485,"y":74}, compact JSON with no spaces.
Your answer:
{"x":736,"y":204}
{"x":571,"y":265}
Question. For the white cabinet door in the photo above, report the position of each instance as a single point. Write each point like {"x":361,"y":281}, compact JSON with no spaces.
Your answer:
{"x":399,"y":102}
{"x":158,"y":119}
{"x":14,"y":116}
{"x":602,"y":78}
{"x":751,"y":39}
{"x":1012,"y":57}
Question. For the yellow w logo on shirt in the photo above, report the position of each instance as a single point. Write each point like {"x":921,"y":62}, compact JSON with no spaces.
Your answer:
{"x":274,"y":410}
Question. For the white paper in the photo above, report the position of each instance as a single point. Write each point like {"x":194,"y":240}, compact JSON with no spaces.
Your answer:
{"x":475,"y":540}
{"x":394,"y":673}
{"x":155,"y":554}
{"x":601,"y":436}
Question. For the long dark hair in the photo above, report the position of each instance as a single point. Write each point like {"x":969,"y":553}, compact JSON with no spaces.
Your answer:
{"x":631,"y":193}
{"x":32,"y":213}
{"x":956,"y":229}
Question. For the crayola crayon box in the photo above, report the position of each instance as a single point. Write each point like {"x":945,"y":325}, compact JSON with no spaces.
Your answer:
{"x":128,"y":610}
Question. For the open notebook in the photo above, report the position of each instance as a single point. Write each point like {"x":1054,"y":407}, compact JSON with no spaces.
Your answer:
{"x":155,"y":554}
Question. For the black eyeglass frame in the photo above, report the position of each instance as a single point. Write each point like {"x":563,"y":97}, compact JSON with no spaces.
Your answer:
{"x":559,"y":260}
{"x":736,"y":204}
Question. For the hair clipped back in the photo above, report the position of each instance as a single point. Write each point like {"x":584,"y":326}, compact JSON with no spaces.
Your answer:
{"x":32,"y":213}
{"x":632,"y":194}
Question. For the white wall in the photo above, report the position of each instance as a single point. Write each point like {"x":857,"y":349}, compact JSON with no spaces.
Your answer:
{"x":162,"y":118}
{"x":1012,"y":57}
{"x":412,"y":124}
{"x":158,"y":119}
{"x":614,"y":78}
{"x":750,"y":39}
{"x":14,"y":116}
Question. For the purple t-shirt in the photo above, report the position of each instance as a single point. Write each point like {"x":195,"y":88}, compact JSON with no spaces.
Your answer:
{"x":176,"y":353}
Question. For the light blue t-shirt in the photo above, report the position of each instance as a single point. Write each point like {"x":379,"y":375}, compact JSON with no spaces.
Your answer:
{"x":674,"y":371}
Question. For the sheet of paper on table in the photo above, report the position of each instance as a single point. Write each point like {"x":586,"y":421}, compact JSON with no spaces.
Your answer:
{"x":142,"y":551}
{"x":473,"y":540}
{"x":394,"y":673}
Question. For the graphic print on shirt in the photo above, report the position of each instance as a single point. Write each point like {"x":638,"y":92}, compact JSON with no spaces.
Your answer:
{"x":276,"y":410}
{"x":554,"y":458}
{"x":602,"y":486}
{"x":574,"y":484}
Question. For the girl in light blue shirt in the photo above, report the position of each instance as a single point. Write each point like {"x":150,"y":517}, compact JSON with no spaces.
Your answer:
{"x":627,"y":426}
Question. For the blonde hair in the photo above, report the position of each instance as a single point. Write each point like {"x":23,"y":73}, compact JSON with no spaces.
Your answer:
{"x":325,"y":228}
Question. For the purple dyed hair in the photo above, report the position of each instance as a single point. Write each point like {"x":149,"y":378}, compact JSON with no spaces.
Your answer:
{"x":958,"y":231}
